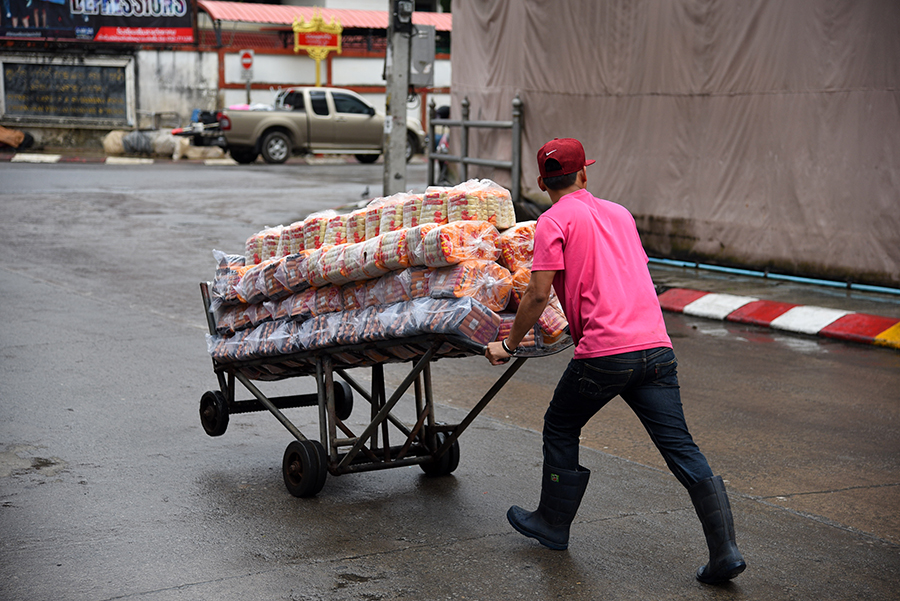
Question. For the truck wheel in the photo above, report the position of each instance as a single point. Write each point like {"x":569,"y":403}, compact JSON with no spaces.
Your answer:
{"x":367,"y":158}
{"x":412,"y":145}
{"x":276,"y":147}
{"x":244,"y":156}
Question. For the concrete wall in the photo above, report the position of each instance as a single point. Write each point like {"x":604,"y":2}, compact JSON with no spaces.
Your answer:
{"x":174,"y":83}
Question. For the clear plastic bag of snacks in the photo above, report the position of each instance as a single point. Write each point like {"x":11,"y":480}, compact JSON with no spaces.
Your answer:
{"x":415,"y":243}
{"x":229,"y":270}
{"x":464,"y":317}
{"x":293,"y":271}
{"x":316,"y":266}
{"x":434,"y":205}
{"x":336,"y":230}
{"x":485,"y":281}
{"x":393,"y":287}
{"x":373,"y":217}
{"x":412,"y":208}
{"x":392,"y":252}
{"x":517,"y":246}
{"x":461,"y":241}
{"x":356,"y":226}
{"x":314,"y":228}
{"x":292,"y":238}
{"x":392,"y":213}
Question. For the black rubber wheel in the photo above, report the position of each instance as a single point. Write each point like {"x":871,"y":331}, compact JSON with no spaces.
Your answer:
{"x":276,"y":147}
{"x":214,"y":412}
{"x":367,"y":159}
{"x":301,"y":469}
{"x":244,"y":156}
{"x":322,"y":460}
{"x":343,"y":400}
{"x":412,"y":145}
{"x":447,"y":462}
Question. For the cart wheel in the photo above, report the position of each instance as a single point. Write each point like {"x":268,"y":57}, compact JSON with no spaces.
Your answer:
{"x":343,"y":401}
{"x":214,"y":412}
{"x":322,"y":460}
{"x":301,"y":469}
{"x":447,"y":462}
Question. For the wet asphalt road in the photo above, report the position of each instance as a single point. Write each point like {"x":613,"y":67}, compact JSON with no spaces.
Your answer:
{"x":109,"y":489}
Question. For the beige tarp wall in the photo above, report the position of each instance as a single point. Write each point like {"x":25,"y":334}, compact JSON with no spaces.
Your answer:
{"x":762,"y":133}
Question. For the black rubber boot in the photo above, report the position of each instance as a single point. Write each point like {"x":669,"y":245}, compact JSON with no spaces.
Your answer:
{"x":561,"y":493}
{"x":714,"y":511}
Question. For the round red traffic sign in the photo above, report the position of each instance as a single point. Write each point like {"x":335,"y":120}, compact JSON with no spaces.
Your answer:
{"x":246,"y":59}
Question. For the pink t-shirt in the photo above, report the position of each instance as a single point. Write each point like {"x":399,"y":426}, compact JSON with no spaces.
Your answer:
{"x":602,"y":278}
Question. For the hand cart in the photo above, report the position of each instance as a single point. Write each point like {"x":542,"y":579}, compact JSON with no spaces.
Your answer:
{"x":432,"y":445}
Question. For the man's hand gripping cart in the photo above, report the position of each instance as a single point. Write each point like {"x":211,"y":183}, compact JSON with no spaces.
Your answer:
{"x":432,"y":445}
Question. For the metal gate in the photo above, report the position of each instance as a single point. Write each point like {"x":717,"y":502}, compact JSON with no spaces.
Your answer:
{"x":463,"y":158}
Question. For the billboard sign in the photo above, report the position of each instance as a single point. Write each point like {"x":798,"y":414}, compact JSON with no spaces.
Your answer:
{"x":119,"y":21}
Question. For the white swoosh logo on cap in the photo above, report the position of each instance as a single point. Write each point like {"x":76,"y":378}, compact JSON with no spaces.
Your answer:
{"x":549,"y":152}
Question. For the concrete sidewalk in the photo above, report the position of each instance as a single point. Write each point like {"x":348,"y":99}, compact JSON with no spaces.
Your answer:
{"x":838,"y":313}
{"x":90,"y":155}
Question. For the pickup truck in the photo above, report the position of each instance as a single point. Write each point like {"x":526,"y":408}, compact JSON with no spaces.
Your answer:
{"x":304,"y":120}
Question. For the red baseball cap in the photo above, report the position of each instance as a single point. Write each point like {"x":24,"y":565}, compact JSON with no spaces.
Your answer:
{"x":568,"y":152}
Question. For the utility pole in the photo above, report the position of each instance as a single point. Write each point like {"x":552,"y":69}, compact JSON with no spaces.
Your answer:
{"x":397,"y":76}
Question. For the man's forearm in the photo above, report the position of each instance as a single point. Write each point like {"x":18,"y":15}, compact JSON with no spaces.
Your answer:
{"x":530,"y":309}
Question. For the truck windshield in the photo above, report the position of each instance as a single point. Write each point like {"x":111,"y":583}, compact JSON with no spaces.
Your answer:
{"x":318,"y":102}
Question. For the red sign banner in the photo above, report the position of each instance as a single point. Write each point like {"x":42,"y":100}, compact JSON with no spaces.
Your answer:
{"x":146,"y":35}
{"x":317,"y":38}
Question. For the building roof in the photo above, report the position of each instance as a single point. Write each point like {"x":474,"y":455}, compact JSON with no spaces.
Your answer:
{"x":349,"y":19}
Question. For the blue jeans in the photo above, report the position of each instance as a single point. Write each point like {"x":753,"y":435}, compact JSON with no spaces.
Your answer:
{"x":648,"y":382}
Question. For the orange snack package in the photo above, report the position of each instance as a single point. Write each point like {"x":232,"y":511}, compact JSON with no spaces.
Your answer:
{"x":460,"y":241}
{"x":485,"y":281}
{"x":517,"y":246}
{"x":392,"y":252}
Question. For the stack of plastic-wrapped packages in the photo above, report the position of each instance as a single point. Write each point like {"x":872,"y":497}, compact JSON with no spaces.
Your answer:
{"x":450,"y":261}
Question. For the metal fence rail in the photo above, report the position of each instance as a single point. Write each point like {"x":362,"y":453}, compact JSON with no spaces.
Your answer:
{"x":463,"y":158}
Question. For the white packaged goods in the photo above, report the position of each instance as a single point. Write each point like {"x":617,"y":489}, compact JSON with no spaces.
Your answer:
{"x":314,"y":228}
{"x":412,"y":209}
{"x":392,"y":213}
{"x":336,"y":230}
{"x":392,"y":252}
{"x":415,"y":243}
{"x":356,"y":226}
{"x":292,"y":238}
{"x":373,"y":218}
{"x":434,"y":205}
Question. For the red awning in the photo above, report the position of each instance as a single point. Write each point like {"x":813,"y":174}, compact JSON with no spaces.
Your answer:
{"x":349,"y":19}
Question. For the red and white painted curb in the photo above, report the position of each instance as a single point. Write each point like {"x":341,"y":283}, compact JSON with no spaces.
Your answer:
{"x":804,"y":319}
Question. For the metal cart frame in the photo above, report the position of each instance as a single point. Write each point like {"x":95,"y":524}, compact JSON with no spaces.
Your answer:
{"x":432,"y":445}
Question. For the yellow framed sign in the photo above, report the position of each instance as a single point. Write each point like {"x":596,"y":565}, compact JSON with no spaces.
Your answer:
{"x":318,"y":38}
